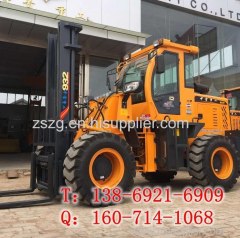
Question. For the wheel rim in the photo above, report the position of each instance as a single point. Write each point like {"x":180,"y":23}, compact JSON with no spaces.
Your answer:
{"x":222,"y":163}
{"x":100,"y":174}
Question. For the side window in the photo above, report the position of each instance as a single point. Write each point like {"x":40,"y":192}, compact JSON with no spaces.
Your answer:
{"x":167,"y":82}
{"x":189,"y":71}
{"x":139,"y":75}
{"x":234,"y":98}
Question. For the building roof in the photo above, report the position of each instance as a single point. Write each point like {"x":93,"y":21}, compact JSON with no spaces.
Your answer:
{"x":50,"y":20}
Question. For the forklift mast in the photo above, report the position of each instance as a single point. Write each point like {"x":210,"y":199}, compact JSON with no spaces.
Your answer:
{"x":50,"y":145}
{"x":61,"y":72}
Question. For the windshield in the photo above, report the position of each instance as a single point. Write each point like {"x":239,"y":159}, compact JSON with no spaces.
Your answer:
{"x":134,"y":71}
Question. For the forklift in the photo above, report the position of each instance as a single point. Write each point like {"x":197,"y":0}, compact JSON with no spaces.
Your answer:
{"x":154,"y":84}
{"x":49,"y":145}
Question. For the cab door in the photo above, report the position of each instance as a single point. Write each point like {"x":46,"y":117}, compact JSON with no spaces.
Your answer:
{"x":165,"y":87}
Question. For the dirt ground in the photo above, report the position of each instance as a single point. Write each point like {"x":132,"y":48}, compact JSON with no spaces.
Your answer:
{"x":44,"y":221}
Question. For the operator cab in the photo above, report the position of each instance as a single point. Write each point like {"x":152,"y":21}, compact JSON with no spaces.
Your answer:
{"x":159,"y":68}
{"x":233,"y":95}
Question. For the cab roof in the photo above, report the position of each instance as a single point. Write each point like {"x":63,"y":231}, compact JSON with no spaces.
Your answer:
{"x":165,"y":43}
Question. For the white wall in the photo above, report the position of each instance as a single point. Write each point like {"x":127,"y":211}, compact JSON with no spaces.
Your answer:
{"x":125,"y":14}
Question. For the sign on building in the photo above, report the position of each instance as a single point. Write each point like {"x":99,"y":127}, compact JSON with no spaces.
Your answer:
{"x":228,"y":9}
{"x":125,"y":14}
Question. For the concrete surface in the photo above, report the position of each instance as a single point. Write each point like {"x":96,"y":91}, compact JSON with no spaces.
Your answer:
{"x":44,"y":221}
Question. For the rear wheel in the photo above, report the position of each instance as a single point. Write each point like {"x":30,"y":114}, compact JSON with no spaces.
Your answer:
{"x":159,"y":177}
{"x":214,"y":161}
{"x":101,"y":160}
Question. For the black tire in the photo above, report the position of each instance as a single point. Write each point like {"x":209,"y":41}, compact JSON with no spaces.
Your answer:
{"x":203,"y":171}
{"x":159,"y":177}
{"x":78,"y":157}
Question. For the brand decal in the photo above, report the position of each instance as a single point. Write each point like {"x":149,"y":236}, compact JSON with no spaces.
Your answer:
{"x":65,"y":94}
{"x":145,"y":117}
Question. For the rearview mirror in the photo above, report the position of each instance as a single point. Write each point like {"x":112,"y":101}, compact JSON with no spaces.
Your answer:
{"x":110,"y":77}
{"x":160,"y":64}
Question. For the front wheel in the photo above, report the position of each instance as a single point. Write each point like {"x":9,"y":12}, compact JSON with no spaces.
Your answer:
{"x":101,"y":160}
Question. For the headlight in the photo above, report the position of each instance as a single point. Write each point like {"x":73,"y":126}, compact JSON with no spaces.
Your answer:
{"x":156,"y":43}
{"x":131,"y":87}
{"x":126,"y":57}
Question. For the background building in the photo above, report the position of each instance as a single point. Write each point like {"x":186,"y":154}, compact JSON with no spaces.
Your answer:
{"x":111,"y":29}
{"x":214,"y":26}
